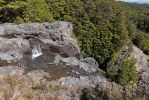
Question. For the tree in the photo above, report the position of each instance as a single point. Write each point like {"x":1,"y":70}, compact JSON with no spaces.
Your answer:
{"x":9,"y":10}
{"x":95,"y":25}
{"x":122,"y":69}
{"x":127,"y":72}
{"x":37,"y":11}
{"x":142,"y":41}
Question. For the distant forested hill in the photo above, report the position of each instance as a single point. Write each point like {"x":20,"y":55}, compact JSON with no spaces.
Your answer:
{"x":136,"y":6}
{"x":139,"y":15}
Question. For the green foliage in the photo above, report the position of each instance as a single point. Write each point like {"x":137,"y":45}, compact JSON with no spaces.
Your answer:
{"x":141,"y":20}
{"x":132,"y":30}
{"x":24,"y":11}
{"x":142,"y":41}
{"x":37,"y":11}
{"x":10,"y":9}
{"x":135,"y":6}
{"x":127,"y":71}
{"x":138,"y":24}
{"x":122,"y":69}
{"x":98,"y":25}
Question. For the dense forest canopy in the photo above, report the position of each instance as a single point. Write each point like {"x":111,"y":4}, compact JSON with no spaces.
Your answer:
{"x":102,"y":27}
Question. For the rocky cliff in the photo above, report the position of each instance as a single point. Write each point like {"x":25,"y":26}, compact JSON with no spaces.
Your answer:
{"x":142,"y":67}
{"x":41,"y":61}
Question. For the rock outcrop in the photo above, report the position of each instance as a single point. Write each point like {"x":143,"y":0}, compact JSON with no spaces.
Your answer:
{"x":142,"y":67}
{"x":41,"y":62}
{"x":54,"y":37}
{"x":141,"y":59}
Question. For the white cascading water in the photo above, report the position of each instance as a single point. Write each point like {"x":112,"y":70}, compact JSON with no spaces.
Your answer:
{"x":36,"y":51}
{"x":1,"y":30}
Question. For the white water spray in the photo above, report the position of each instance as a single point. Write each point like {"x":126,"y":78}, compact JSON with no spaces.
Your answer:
{"x":36,"y":51}
{"x":1,"y":30}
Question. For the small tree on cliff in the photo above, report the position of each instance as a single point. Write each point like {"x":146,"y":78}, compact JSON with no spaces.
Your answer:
{"x":122,"y":69}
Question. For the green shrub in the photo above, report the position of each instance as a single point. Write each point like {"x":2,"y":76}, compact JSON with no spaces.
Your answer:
{"x":122,"y":70}
{"x":127,"y":72}
{"x":37,"y":11}
{"x":142,"y":41}
{"x":10,"y":9}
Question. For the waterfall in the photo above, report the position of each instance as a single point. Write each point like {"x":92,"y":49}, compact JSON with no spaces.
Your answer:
{"x":36,"y":51}
{"x":1,"y":30}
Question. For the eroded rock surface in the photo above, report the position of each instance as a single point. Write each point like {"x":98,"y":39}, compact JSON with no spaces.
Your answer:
{"x":141,"y":59}
{"x":142,"y":67}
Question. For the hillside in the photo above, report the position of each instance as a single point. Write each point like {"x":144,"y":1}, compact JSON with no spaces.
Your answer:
{"x":75,"y":44}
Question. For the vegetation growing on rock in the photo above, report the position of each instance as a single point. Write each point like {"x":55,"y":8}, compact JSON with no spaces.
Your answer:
{"x":122,"y":70}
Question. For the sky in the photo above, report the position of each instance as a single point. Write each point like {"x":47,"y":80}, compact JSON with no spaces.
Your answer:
{"x":138,"y":1}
